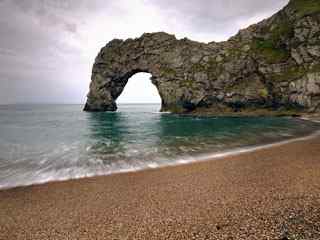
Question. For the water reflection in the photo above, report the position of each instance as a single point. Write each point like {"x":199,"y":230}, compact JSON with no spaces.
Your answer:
{"x":140,"y":137}
{"x":123,"y":136}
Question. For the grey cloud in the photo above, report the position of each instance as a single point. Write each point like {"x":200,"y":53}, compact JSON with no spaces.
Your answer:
{"x":35,"y":60}
{"x":50,"y":13}
{"x":215,"y":15}
{"x":67,"y":14}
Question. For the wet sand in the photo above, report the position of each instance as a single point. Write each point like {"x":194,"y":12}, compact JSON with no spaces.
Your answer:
{"x":267,"y":194}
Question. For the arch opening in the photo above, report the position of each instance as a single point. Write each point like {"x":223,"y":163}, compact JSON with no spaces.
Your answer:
{"x":139,"y":89}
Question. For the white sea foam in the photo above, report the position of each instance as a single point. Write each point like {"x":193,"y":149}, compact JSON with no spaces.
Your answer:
{"x":161,"y":112}
{"x":153,"y":165}
{"x":238,"y":151}
{"x":78,"y":173}
{"x":310,"y":119}
{"x":44,"y":176}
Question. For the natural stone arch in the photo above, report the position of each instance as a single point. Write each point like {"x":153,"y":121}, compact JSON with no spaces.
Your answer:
{"x":273,"y":66}
{"x":152,"y":53}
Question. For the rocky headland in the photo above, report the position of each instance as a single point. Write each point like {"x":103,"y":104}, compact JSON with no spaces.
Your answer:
{"x":272,"y":67}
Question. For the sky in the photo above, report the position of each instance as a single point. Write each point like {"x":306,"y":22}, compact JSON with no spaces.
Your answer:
{"x":47,"y":47}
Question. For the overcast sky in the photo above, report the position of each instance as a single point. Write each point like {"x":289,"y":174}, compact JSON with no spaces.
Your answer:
{"x":47,"y":47}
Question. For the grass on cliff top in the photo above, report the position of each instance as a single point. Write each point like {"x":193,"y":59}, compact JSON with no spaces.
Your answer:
{"x":305,"y":7}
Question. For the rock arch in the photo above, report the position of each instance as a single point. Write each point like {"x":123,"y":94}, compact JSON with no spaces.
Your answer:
{"x":273,"y":66}
{"x":120,"y":60}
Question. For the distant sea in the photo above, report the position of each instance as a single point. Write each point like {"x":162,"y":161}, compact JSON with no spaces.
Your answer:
{"x":41,"y":143}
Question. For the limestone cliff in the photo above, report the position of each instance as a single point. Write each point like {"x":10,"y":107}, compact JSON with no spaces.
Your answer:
{"x":272,"y":66}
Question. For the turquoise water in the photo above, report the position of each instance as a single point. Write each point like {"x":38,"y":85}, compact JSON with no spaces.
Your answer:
{"x":40,"y":143}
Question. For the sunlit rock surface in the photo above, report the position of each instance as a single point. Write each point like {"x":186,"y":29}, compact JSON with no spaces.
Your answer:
{"x":270,"y":67}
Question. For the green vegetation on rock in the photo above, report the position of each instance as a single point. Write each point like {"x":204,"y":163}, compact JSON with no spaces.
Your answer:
{"x":305,"y":7}
{"x":212,"y":68}
{"x":288,"y":75}
{"x":284,"y":30}
{"x":168,"y":71}
{"x":315,"y":68}
{"x":270,"y":51}
{"x":264,"y":93}
{"x":272,"y":46}
{"x":197,"y":67}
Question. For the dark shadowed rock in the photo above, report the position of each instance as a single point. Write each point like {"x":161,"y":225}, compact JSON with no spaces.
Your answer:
{"x":272,"y":66}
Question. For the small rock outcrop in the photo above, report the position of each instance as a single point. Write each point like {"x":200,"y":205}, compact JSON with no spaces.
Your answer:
{"x":270,"y":67}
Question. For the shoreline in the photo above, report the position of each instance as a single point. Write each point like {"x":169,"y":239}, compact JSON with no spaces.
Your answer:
{"x":221,"y":155}
{"x":270,"y":193}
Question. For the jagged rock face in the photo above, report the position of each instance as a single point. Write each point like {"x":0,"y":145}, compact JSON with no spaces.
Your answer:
{"x":272,"y":66}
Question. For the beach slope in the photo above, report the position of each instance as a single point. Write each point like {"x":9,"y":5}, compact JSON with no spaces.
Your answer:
{"x":267,"y":194}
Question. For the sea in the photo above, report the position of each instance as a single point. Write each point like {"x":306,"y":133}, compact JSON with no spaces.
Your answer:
{"x":42,"y":143}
